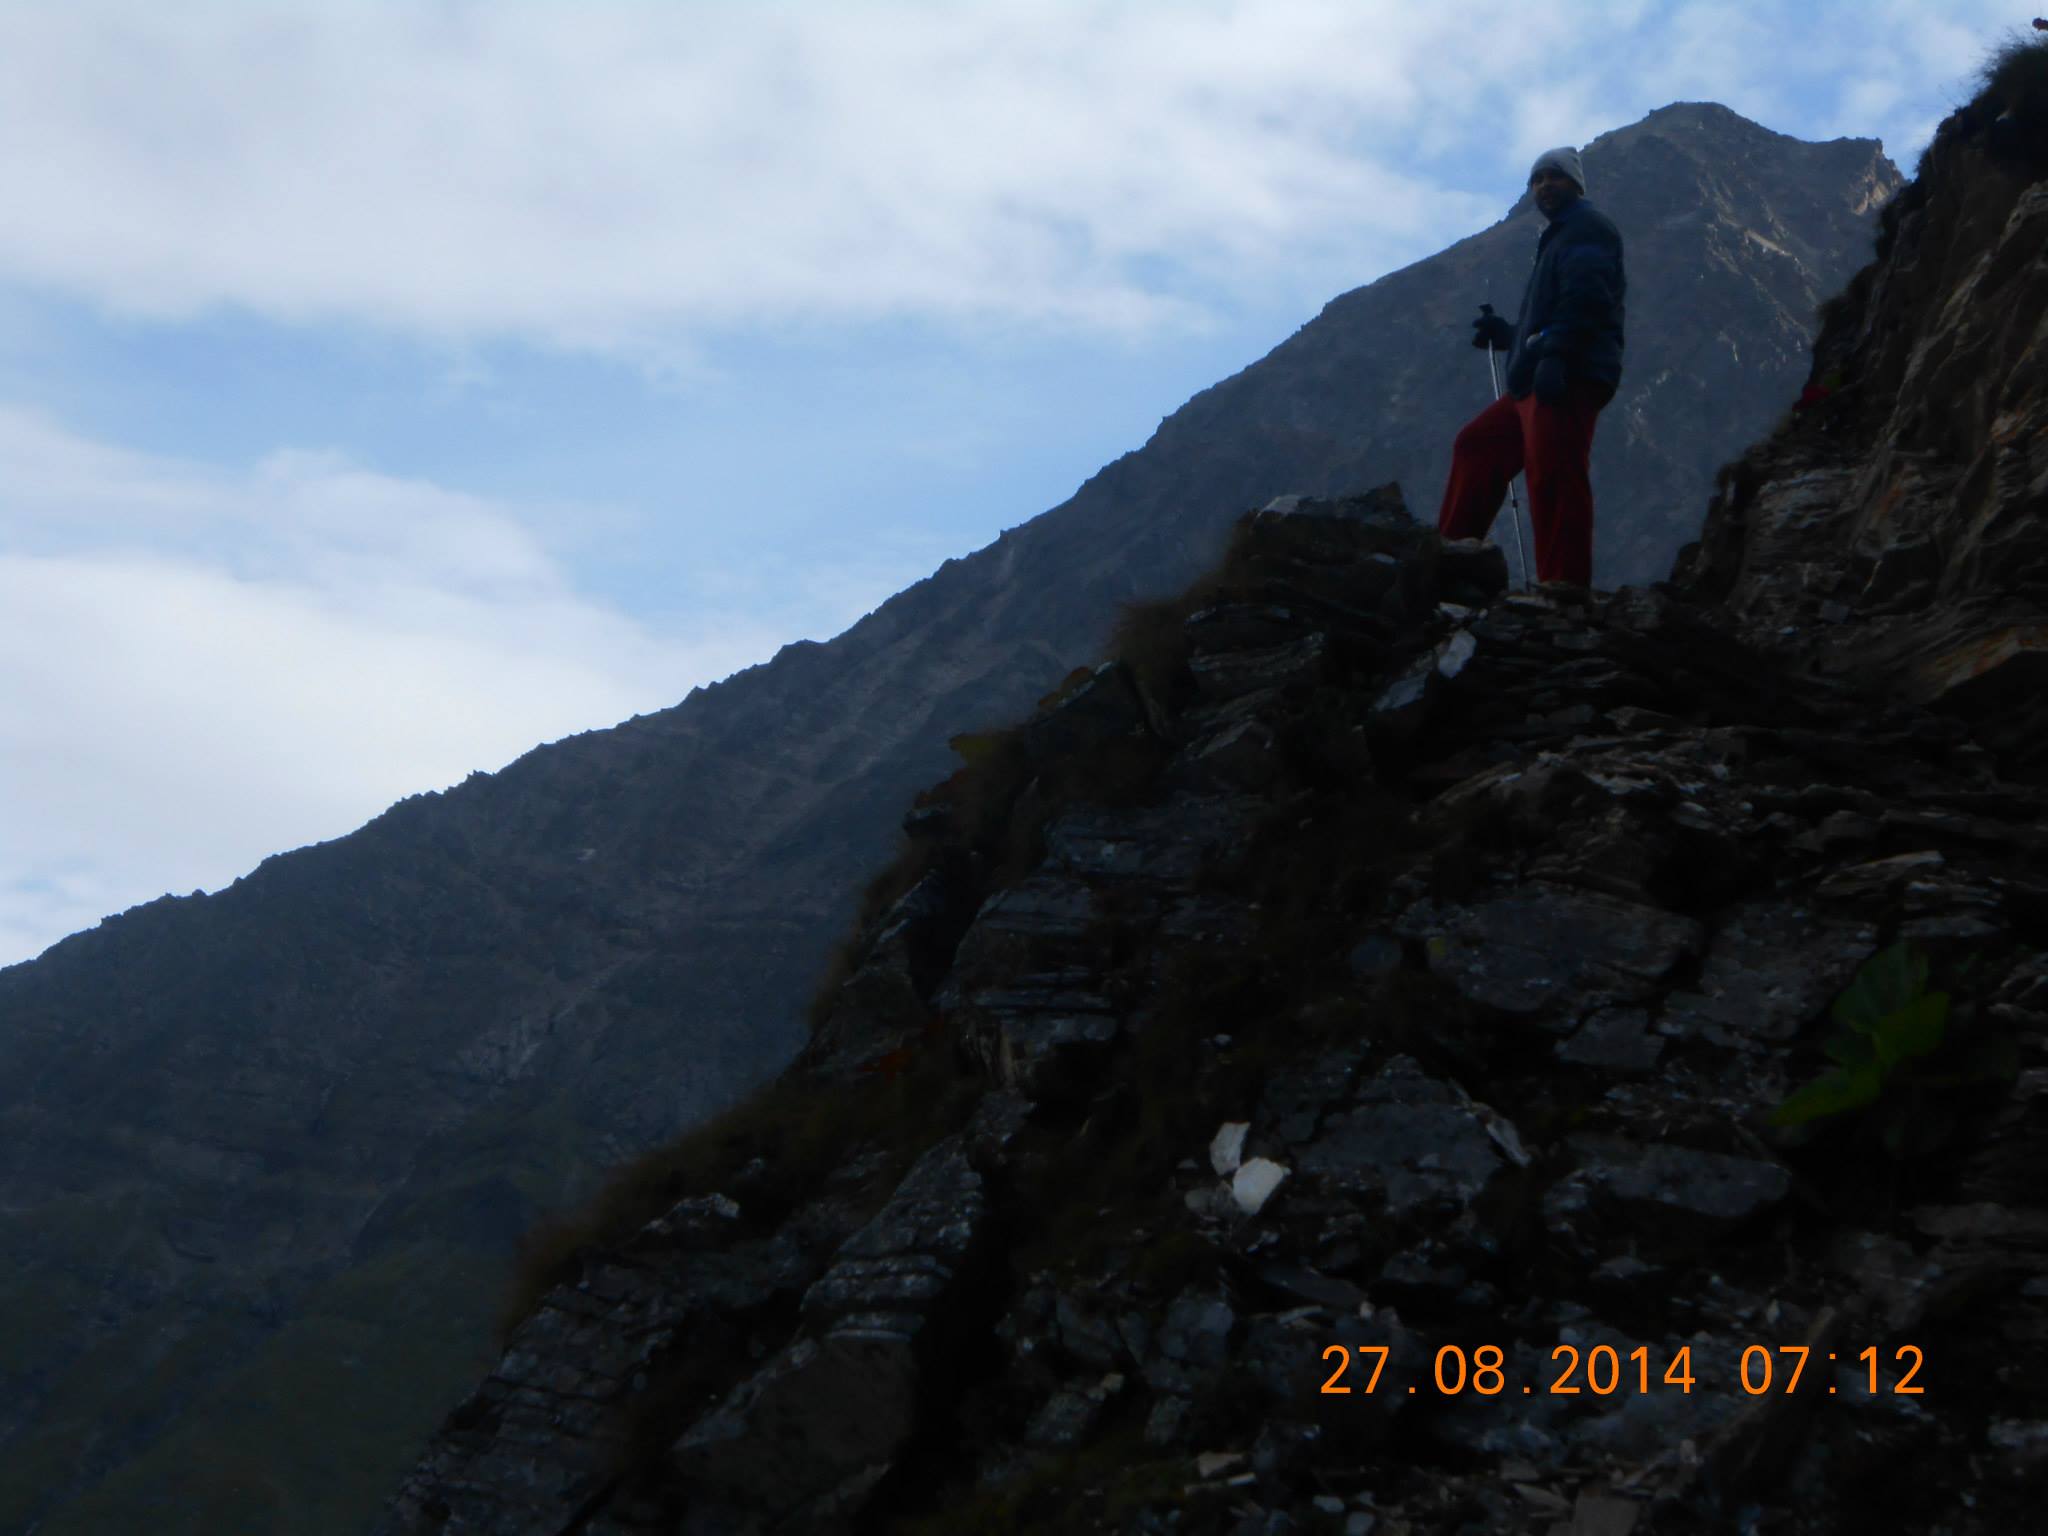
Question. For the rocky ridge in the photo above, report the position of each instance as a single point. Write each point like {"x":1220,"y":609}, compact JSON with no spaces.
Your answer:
{"x":1379,"y":980}
{"x":1427,"y":996}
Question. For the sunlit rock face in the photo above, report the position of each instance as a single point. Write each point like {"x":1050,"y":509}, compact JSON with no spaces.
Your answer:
{"x":264,"y":1155}
{"x":1894,"y":531}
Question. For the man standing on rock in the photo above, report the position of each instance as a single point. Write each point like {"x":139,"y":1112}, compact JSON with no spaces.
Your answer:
{"x":1564,"y":360}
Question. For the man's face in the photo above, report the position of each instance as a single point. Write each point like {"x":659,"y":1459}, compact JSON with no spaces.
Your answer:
{"x":1552,"y":190}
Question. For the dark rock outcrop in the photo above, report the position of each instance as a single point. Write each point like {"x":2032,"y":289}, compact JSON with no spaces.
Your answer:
{"x":1606,"y":1087}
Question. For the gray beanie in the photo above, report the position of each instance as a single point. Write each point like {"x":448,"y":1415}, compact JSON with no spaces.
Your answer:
{"x":1566,"y":160}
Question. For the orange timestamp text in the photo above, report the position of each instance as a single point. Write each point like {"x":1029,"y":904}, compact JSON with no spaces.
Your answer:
{"x":1604,"y":1371}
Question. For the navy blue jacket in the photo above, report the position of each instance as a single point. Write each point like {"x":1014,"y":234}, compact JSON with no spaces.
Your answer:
{"x":1572,"y":307}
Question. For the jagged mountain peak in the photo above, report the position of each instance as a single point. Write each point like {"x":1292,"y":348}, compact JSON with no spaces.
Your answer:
{"x":1705,"y":117}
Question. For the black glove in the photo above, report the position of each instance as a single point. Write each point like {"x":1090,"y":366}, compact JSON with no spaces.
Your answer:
{"x":1493,"y":331}
{"x":1550,"y":380}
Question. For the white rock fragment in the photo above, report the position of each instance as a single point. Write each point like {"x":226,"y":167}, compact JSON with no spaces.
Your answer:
{"x":1254,"y":1184}
{"x":1452,"y":655}
{"x":1504,"y":1134}
{"x":2029,"y":1436}
{"x":1226,"y":1148}
{"x":1213,"y":1463}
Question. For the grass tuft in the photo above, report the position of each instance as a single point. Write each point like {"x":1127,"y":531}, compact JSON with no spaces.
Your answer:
{"x":1152,"y":640}
{"x":2012,"y":84}
{"x":770,"y":1152}
{"x":2015,"y":79}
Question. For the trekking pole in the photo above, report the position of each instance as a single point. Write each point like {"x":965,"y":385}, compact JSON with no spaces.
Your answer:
{"x":1514,"y":505}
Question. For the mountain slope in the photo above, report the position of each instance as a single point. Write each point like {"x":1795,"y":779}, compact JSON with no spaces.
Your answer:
{"x":236,"y":1129}
{"x":1389,"y":1054}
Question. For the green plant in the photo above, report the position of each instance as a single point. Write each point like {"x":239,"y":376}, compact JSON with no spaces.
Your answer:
{"x":1887,"y":1018}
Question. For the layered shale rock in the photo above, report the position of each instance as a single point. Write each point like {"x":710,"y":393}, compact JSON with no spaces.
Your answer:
{"x":1895,"y":534}
{"x":1502,"y":1000}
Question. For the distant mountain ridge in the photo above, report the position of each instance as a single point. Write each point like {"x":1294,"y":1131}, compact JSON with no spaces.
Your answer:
{"x":265,"y":1147}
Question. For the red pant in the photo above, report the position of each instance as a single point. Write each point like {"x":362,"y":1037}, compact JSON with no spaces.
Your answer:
{"x":1551,"y":442}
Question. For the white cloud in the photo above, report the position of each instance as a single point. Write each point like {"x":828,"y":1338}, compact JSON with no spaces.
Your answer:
{"x":593,"y":174}
{"x":1889,"y":70}
{"x":200,"y":668}
{"x":617,"y":175}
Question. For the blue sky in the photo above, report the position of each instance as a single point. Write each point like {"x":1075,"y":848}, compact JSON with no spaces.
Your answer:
{"x":386,"y":389}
